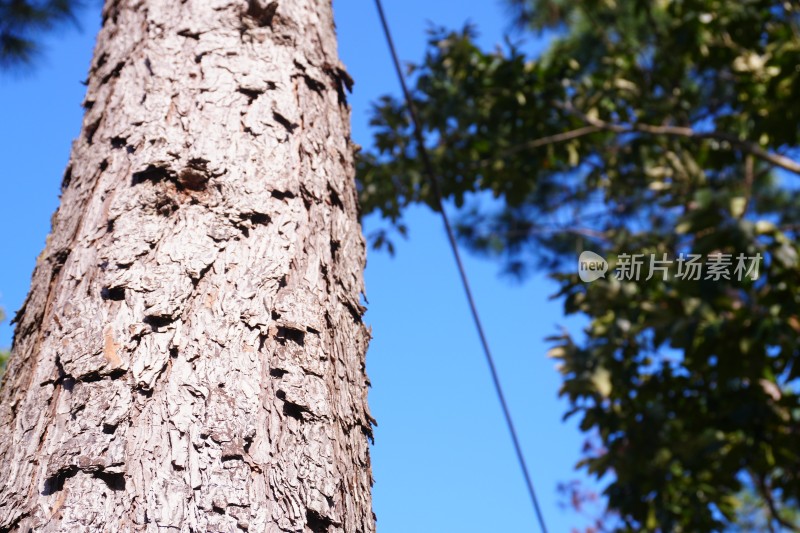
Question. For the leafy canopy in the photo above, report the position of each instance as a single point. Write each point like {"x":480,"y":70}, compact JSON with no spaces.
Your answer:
{"x":646,"y":127}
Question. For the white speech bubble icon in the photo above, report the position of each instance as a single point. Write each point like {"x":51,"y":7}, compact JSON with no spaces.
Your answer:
{"x":591,"y":266}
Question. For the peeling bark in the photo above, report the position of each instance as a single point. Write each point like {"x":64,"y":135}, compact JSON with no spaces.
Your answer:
{"x":191,"y":353}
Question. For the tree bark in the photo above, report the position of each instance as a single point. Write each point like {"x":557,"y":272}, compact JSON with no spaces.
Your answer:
{"x":191,"y":354}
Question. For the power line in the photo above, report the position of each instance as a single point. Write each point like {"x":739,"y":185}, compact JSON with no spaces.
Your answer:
{"x":426,"y":162}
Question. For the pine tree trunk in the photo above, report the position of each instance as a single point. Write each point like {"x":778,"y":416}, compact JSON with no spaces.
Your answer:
{"x":191,"y":354}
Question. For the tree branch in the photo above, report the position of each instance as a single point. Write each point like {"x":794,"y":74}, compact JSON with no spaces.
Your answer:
{"x":766,"y":493}
{"x":553,"y":139}
{"x":544,"y":141}
{"x":679,"y":131}
{"x":747,"y":147}
{"x":596,"y":125}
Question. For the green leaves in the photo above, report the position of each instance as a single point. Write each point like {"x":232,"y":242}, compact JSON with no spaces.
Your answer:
{"x":645,"y":128}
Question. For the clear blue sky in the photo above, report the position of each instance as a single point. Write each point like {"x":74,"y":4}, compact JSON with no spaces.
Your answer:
{"x":442,"y":459}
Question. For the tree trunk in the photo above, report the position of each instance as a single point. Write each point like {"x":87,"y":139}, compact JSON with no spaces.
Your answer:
{"x":191,"y":354}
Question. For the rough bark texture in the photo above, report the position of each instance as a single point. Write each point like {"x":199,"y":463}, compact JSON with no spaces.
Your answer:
{"x":191,"y":354}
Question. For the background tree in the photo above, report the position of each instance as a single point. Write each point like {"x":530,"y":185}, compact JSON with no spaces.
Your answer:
{"x":23,"y":21}
{"x":645,"y":128}
{"x":191,"y":353}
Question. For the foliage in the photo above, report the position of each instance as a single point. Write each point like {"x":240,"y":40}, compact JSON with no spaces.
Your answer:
{"x":646,"y":128}
{"x":21,"y":22}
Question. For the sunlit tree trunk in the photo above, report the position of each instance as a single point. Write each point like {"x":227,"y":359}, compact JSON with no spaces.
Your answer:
{"x":191,"y":354}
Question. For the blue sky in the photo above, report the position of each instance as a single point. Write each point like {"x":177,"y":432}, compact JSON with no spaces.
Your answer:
{"x":442,"y":459}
